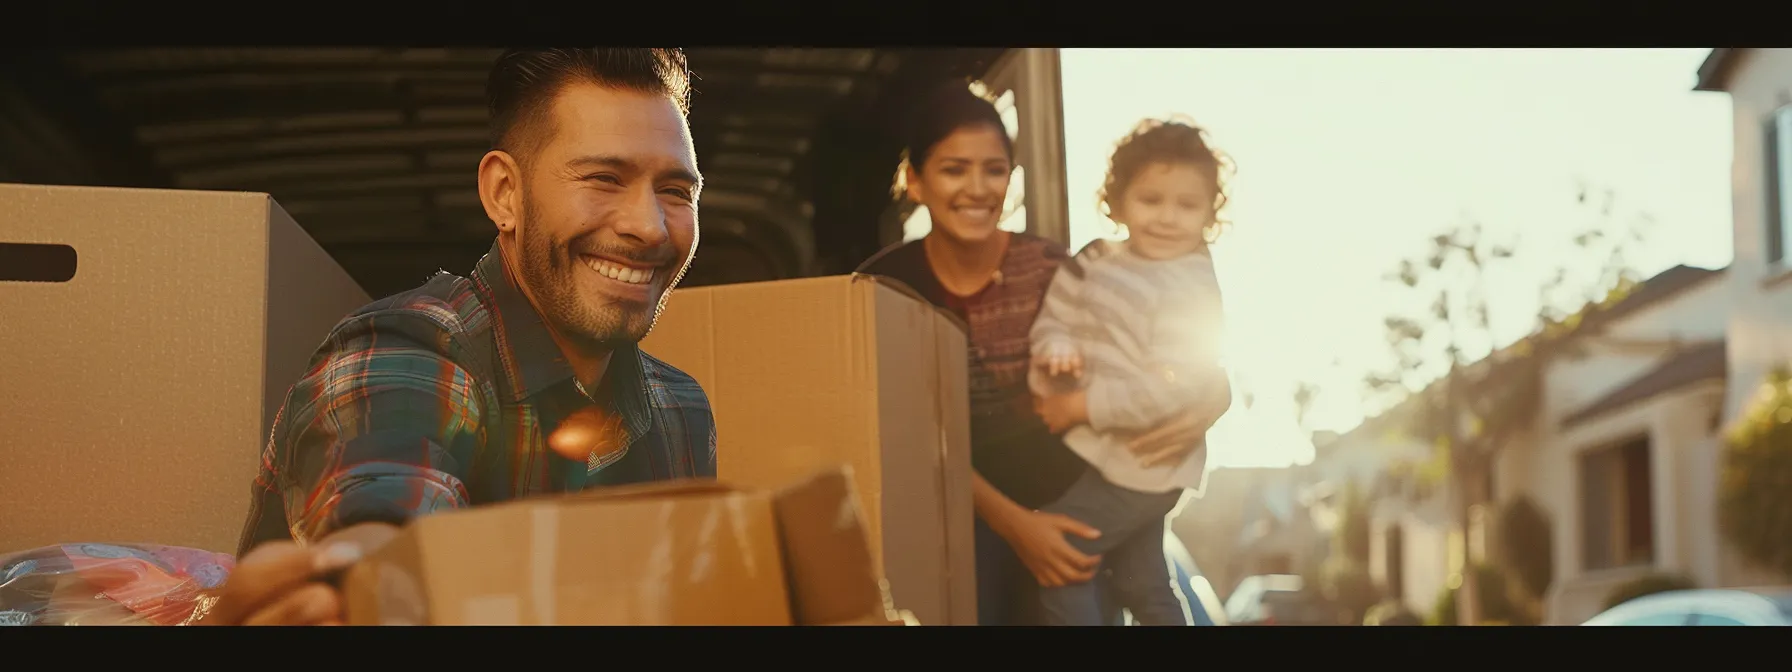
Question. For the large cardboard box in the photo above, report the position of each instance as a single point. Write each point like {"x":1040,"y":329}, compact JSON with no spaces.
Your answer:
{"x":136,"y":393}
{"x":851,"y":370}
{"x":689,"y":552}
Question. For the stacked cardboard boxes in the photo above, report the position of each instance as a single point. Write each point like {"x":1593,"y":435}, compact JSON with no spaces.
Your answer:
{"x":147,"y":338}
{"x":854,"y":370}
{"x":152,"y":337}
{"x":680,"y":553}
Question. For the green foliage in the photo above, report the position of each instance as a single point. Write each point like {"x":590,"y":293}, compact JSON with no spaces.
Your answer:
{"x":1305,"y":393}
{"x":1647,"y":585}
{"x":1391,"y":613}
{"x":1443,"y":611}
{"x":1469,"y":405}
{"x":1450,"y":279}
{"x":1344,"y":579}
{"x":1526,"y":547}
{"x":1496,"y":601}
{"x":1755,"y":489}
{"x":1346,"y":584}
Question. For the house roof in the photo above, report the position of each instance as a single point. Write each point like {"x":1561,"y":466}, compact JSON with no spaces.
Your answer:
{"x":1663,"y":286}
{"x":1696,"y":363}
{"x":1658,"y":288}
{"x":1714,"y":73}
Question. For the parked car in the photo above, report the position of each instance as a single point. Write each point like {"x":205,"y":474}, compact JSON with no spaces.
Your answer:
{"x":1726,"y":606}
{"x":1276,"y":599}
{"x":1204,"y":604}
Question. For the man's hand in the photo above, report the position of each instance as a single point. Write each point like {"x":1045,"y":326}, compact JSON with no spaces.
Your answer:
{"x":1063,"y":411}
{"x":278,"y":584}
{"x":283,"y":583}
{"x":1038,"y":538}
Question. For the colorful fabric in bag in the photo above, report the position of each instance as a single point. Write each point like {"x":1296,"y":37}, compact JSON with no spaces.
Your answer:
{"x":110,"y":584}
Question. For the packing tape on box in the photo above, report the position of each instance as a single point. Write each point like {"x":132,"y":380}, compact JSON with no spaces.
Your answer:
{"x":506,"y":608}
{"x":491,"y":610}
{"x":737,"y":523}
{"x":543,"y":547}
{"x":399,"y":595}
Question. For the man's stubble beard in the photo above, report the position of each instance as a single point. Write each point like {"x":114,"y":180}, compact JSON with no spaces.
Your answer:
{"x":551,"y":274}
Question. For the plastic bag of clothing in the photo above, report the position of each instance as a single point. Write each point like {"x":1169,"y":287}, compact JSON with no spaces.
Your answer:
{"x":110,"y":584}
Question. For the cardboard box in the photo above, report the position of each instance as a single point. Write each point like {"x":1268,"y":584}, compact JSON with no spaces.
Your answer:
{"x":850,"y":370}
{"x":137,"y":391}
{"x":680,"y":553}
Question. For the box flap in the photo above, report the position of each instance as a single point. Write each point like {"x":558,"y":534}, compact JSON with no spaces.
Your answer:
{"x":951,"y":394}
{"x":659,"y":489}
{"x":676,"y":559}
{"x":387,"y":588}
{"x":901,"y":618}
{"x":910,"y":292}
{"x":848,"y":377}
{"x":827,"y":552}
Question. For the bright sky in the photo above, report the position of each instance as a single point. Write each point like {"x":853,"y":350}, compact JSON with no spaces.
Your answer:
{"x":1349,"y":160}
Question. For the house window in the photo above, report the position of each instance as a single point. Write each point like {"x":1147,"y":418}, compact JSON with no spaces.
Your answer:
{"x":1779,"y":185}
{"x":1617,"y":506}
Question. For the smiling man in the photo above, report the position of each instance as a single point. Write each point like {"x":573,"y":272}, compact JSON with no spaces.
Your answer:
{"x":446,"y":396}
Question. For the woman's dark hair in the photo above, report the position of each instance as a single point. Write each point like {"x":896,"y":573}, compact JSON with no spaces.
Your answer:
{"x":1175,"y":141}
{"x":943,"y":112}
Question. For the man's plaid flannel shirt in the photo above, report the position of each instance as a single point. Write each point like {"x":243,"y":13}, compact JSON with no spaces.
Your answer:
{"x":442,"y":397}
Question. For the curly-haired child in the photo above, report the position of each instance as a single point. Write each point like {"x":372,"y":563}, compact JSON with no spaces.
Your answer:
{"x":1128,"y":336}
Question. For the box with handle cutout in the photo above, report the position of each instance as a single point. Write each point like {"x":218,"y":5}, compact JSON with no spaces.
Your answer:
{"x":148,"y":338}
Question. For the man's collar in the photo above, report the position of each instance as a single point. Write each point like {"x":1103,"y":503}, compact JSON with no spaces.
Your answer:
{"x":533,"y":360}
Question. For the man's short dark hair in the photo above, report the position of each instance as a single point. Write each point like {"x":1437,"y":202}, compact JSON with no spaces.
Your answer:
{"x":523,"y":84}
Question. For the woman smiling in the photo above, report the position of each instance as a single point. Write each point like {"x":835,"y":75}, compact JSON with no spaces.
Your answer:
{"x":959,"y":164}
